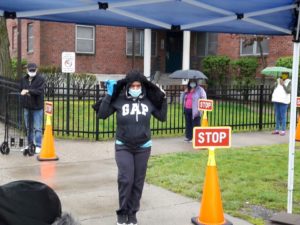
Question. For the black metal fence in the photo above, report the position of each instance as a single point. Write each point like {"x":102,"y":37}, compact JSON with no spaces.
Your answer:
{"x":242,"y":108}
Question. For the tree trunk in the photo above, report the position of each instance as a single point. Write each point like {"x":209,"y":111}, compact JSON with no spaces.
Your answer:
{"x":5,"y":60}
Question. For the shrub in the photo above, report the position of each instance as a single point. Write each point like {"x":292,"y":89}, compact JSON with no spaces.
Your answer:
{"x":14,"y":65}
{"x":286,"y":61}
{"x":244,"y":70}
{"x":82,"y":82}
{"x":217,"y":69}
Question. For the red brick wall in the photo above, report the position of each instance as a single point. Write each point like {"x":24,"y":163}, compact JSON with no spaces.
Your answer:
{"x":110,"y":52}
{"x":29,"y":56}
{"x":229,"y":44}
{"x":279,"y":46}
{"x":110,"y":56}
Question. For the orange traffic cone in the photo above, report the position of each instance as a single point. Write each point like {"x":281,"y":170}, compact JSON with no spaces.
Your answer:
{"x":211,"y":212}
{"x":204,"y":122}
{"x":47,"y":152}
{"x":298,"y":130}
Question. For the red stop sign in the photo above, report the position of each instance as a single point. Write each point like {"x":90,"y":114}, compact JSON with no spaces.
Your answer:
{"x":218,"y":137}
{"x":205,"y":105}
{"x":298,"y":101}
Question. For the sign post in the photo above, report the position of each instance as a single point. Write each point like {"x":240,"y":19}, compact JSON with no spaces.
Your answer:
{"x":68,"y":66}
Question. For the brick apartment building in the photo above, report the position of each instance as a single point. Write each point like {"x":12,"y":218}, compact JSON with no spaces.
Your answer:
{"x":108,"y":50}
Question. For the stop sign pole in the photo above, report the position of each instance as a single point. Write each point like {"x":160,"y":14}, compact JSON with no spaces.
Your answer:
{"x":211,"y":210}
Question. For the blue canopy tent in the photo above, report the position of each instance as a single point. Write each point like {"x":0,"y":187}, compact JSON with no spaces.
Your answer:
{"x":261,"y":17}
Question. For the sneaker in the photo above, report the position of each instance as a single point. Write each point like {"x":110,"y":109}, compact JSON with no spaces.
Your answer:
{"x":121,"y":219}
{"x":23,"y":149}
{"x":37,"y":150}
{"x":275,"y":132}
{"x":132,"y":219}
{"x":187,"y":140}
{"x":282,"y":133}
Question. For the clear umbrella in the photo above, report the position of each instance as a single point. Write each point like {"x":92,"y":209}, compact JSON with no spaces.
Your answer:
{"x":188,"y":74}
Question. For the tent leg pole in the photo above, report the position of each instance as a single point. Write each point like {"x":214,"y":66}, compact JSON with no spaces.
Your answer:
{"x":147,"y":53}
{"x":293,"y":127}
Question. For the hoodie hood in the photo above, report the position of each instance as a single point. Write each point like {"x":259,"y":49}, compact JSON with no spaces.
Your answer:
{"x":27,"y":202}
{"x":149,"y":90}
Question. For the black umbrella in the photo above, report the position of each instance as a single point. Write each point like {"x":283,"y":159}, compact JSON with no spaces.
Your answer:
{"x":188,"y":74}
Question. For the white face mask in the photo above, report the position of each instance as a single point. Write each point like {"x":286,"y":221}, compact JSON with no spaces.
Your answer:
{"x":192,"y":84}
{"x":31,"y":74}
{"x":135,"y":92}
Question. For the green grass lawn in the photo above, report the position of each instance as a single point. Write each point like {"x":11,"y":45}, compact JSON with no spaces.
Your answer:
{"x":82,"y":119}
{"x":249,"y":177}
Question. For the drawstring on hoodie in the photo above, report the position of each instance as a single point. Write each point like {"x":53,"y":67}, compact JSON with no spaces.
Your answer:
{"x":136,"y":113}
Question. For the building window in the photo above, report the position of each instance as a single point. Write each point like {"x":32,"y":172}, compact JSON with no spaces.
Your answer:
{"x":14,"y":38}
{"x":30,"y":37}
{"x":139,"y":42}
{"x":253,"y":49}
{"x":85,"y":39}
{"x":207,"y":44}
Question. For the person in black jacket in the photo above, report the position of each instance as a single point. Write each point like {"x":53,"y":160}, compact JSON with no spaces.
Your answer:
{"x":134,"y":99}
{"x":32,"y":91}
{"x":25,"y":202}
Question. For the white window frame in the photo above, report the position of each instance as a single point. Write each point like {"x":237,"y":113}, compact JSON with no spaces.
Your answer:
{"x":254,"y":49}
{"x":207,"y":42}
{"x":93,"y":40}
{"x":30,"y":38}
{"x":141,"y":50}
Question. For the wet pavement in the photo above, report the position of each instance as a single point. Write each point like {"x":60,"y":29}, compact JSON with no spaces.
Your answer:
{"x":85,"y":179}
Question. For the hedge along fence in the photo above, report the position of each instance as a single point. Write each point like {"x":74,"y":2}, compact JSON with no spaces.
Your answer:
{"x":222,"y":70}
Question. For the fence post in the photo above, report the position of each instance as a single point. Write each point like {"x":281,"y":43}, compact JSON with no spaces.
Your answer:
{"x":68,"y":104}
{"x":97,"y":120}
{"x":261,"y":102}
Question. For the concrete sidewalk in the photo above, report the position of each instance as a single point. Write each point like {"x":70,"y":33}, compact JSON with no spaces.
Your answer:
{"x":85,"y":179}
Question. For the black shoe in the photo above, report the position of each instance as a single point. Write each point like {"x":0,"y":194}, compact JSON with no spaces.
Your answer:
{"x":132,"y":219}
{"x":121,"y":219}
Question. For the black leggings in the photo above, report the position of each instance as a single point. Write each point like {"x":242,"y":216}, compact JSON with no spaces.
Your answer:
{"x":132,"y":167}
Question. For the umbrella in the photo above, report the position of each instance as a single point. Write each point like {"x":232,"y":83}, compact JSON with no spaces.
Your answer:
{"x":188,"y":74}
{"x":275,"y":71}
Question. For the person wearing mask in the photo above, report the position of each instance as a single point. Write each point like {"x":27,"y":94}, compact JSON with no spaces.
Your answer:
{"x":32,"y":91}
{"x":281,"y":98}
{"x":135,"y":100}
{"x":190,"y":97}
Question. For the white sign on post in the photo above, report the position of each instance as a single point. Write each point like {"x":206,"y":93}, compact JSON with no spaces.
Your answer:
{"x":68,"y":62}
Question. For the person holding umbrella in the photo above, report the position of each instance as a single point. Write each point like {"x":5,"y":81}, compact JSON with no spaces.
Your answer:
{"x":190,"y":97}
{"x":281,"y":98}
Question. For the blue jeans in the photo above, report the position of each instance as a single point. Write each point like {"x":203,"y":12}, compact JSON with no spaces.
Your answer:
{"x":33,"y":122}
{"x":280,"y":115}
{"x":190,"y":123}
